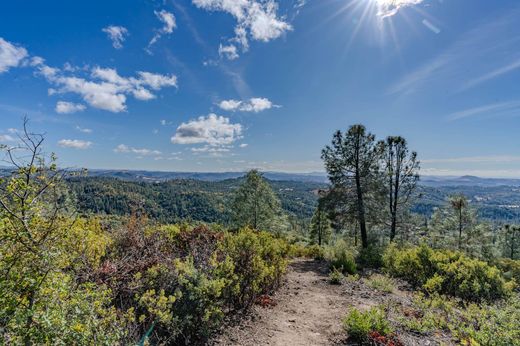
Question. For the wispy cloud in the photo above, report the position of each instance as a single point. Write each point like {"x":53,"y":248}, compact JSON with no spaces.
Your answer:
{"x":491,"y":75}
{"x":169,"y":24}
{"x":495,"y":108}
{"x":83,"y":130}
{"x":117,"y":34}
{"x":484,"y":46}
{"x":123,"y":148}
{"x":475,"y":159}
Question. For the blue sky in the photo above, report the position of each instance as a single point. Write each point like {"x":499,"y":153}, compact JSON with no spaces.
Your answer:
{"x":226,"y":85}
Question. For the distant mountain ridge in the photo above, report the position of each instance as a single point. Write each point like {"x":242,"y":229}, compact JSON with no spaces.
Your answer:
{"x":313,"y":177}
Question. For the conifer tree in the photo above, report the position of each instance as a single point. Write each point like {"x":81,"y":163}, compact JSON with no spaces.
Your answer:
{"x":256,"y":205}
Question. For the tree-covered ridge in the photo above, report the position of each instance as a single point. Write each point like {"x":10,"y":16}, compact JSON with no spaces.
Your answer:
{"x":179,"y":200}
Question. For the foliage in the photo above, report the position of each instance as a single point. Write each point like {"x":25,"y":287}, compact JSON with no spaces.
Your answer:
{"x":469,"y":324}
{"x":351,"y":162}
{"x":183,"y":280}
{"x":359,"y":324}
{"x":341,"y":257}
{"x":447,"y":272}
{"x":335,"y":276}
{"x":320,"y":227}
{"x":260,"y":261}
{"x":256,"y":205}
{"x":400,"y":169}
{"x":381,"y":283}
{"x":371,"y":257}
{"x":511,"y":269}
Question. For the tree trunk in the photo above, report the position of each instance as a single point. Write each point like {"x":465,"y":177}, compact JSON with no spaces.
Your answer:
{"x":460,"y":228}
{"x":361,"y":213}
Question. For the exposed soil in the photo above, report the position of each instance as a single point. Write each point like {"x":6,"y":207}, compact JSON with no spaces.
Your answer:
{"x":309,"y":311}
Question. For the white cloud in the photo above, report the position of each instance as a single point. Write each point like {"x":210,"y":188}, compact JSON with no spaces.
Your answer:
{"x":74,"y":144}
{"x":63,"y":107}
{"x":212,"y":130}
{"x":169,"y":24}
{"x":230,"y":51}
{"x":255,"y":104}
{"x":10,"y":55}
{"x":84,"y":130}
{"x":122,"y":148}
{"x":104,"y":88}
{"x":255,"y":19}
{"x":6,"y":138}
{"x":157,"y":81}
{"x":117,"y":34}
{"x":388,"y":8}
{"x":243,"y":145}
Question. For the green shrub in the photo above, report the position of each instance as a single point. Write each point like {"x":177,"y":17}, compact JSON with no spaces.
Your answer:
{"x":446,"y":272}
{"x":259,"y":260}
{"x":371,"y":257}
{"x":315,"y":251}
{"x":335,"y":277}
{"x":469,"y":324}
{"x":359,"y":325}
{"x":511,"y":269}
{"x":341,"y":257}
{"x":381,"y":283}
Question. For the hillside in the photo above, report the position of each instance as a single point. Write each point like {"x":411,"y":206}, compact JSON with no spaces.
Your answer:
{"x":205,"y":199}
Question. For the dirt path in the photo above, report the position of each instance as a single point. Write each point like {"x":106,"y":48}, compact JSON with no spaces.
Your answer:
{"x":309,"y":311}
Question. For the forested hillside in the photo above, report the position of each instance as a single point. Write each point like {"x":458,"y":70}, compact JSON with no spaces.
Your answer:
{"x":206,"y":200}
{"x":183,"y":200}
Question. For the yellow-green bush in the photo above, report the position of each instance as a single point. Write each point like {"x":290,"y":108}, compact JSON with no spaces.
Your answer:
{"x":359,"y":324}
{"x":511,"y":269}
{"x":446,"y":272}
{"x":468,"y":324}
{"x":259,"y":261}
{"x":340,"y":256}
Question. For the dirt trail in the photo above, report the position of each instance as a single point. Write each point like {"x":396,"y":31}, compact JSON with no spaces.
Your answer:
{"x":309,"y":311}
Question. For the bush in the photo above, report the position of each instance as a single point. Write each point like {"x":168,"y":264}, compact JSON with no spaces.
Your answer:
{"x":446,"y":272}
{"x":359,"y":325}
{"x":511,"y":269}
{"x":259,"y":260}
{"x":469,"y":324}
{"x":335,"y":277}
{"x":180,"y":282}
{"x":371,"y":257}
{"x":341,"y":257}
{"x":381,"y":283}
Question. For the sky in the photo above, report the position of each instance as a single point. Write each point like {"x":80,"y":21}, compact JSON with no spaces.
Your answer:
{"x":230,"y":85}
